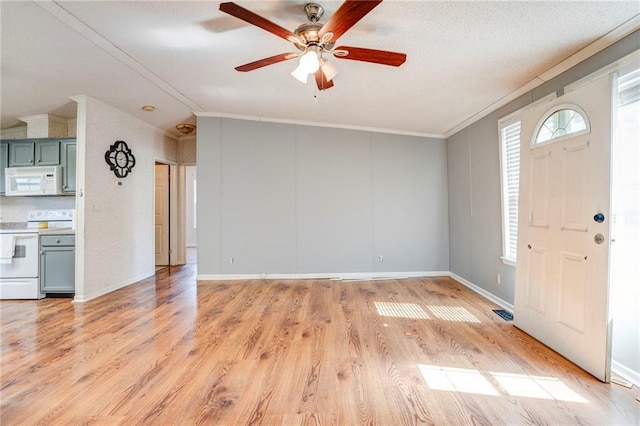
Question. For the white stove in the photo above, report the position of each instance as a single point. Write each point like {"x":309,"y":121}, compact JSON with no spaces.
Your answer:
{"x":45,"y":219}
{"x":20,"y":254}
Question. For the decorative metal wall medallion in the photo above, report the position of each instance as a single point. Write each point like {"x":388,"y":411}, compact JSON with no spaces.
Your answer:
{"x":120,"y":159}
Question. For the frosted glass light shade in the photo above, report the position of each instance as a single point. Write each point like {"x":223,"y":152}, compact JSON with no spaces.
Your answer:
{"x":329,"y":70}
{"x":309,"y":64}
{"x":300,"y":74}
{"x":310,"y":61}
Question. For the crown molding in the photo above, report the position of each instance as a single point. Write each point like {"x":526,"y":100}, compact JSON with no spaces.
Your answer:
{"x":319,"y":124}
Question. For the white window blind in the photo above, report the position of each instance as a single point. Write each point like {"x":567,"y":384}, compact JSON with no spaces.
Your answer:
{"x":510,"y":150}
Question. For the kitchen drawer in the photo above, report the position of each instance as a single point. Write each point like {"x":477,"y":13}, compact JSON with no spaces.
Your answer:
{"x":57,"y":240}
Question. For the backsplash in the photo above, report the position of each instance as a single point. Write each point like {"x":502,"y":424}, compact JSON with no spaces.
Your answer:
{"x":16,"y":209}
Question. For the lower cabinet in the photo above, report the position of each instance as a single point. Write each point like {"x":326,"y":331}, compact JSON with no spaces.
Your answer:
{"x":57,"y":263}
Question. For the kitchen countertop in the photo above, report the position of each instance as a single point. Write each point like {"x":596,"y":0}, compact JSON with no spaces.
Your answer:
{"x":12,"y":225}
{"x":16,"y":228}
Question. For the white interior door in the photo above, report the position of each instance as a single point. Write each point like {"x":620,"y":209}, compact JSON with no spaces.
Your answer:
{"x":561,"y":294}
{"x":162,"y":214}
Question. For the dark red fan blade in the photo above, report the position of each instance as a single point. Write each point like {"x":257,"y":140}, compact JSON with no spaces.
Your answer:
{"x":383,"y":57}
{"x":349,"y":12}
{"x":257,"y":20}
{"x":266,"y":61}
{"x":322,"y":82}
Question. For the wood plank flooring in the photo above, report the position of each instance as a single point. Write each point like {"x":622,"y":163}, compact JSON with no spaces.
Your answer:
{"x":170,"y":351}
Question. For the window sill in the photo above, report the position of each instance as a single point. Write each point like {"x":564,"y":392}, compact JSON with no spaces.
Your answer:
{"x":508,"y":261}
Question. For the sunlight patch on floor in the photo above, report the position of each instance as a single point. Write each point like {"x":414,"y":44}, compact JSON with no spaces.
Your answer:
{"x":400,"y":310}
{"x":414,"y":311}
{"x":452,"y":313}
{"x":456,"y":380}
{"x":537,"y":387}
{"x":520,"y":385}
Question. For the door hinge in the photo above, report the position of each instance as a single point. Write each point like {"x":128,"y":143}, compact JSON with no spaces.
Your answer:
{"x":169,"y":252}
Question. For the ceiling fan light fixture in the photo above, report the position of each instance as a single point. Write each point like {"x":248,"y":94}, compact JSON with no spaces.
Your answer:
{"x":185,"y":128}
{"x":328,"y":69}
{"x":310,"y":61}
{"x":314,"y":39}
{"x":300,"y":74}
{"x":309,"y":64}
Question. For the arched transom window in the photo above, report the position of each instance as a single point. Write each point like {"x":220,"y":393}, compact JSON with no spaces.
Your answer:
{"x":560,"y":122}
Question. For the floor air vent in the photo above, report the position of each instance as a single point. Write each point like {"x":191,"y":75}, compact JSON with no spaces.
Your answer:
{"x":507,"y":316}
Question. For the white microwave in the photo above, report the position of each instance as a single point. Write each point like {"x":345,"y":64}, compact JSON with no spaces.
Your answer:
{"x":25,"y":181}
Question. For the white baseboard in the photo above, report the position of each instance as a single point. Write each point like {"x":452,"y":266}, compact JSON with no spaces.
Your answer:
{"x":625,"y":372}
{"x":492,"y":297}
{"x":113,"y":287}
{"x":333,"y":276}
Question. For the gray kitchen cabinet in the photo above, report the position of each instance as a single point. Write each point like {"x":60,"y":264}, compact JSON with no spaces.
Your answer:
{"x":57,"y":263}
{"x":4,"y":162}
{"x":47,"y":153}
{"x":21,"y":153}
{"x":34,"y":152}
{"x":68,"y":162}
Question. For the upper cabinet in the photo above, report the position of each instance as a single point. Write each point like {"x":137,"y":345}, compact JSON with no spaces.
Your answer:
{"x":21,"y":153}
{"x":34,"y":152}
{"x":47,"y":153}
{"x":68,"y":161}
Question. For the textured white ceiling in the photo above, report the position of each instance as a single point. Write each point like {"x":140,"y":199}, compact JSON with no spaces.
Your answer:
{"x":179,"y":56}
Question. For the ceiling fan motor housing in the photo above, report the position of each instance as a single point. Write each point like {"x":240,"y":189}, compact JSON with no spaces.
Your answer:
{"x":308,"y":32}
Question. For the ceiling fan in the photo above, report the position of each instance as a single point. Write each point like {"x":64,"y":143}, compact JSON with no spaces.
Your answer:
{"x":315,"y":39}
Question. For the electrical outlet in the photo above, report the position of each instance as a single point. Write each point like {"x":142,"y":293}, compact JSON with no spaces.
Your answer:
{"x":231,"y":260}
{"x":498,"y":279}
{"x":381,"y":258}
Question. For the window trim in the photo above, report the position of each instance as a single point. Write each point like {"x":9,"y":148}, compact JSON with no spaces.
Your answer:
{"x":548,"y":114}
{"x":503,"y":122}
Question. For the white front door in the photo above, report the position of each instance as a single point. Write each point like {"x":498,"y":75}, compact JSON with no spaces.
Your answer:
{"x":162,"y":214}
{"x":561,"y":293}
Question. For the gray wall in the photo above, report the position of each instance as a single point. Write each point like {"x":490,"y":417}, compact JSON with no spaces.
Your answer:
{"x":474,"y":182}
{"x":291,"y":199}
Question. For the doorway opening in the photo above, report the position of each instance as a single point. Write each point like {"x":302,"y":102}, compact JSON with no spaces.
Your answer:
{"x":162,"y":215}
{"x":191,"y":223}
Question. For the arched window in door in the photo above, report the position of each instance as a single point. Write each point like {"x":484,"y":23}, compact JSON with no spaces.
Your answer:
{"x":562,"y":121}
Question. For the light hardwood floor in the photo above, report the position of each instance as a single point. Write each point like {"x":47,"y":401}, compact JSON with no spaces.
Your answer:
{"x":169,"y":350}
